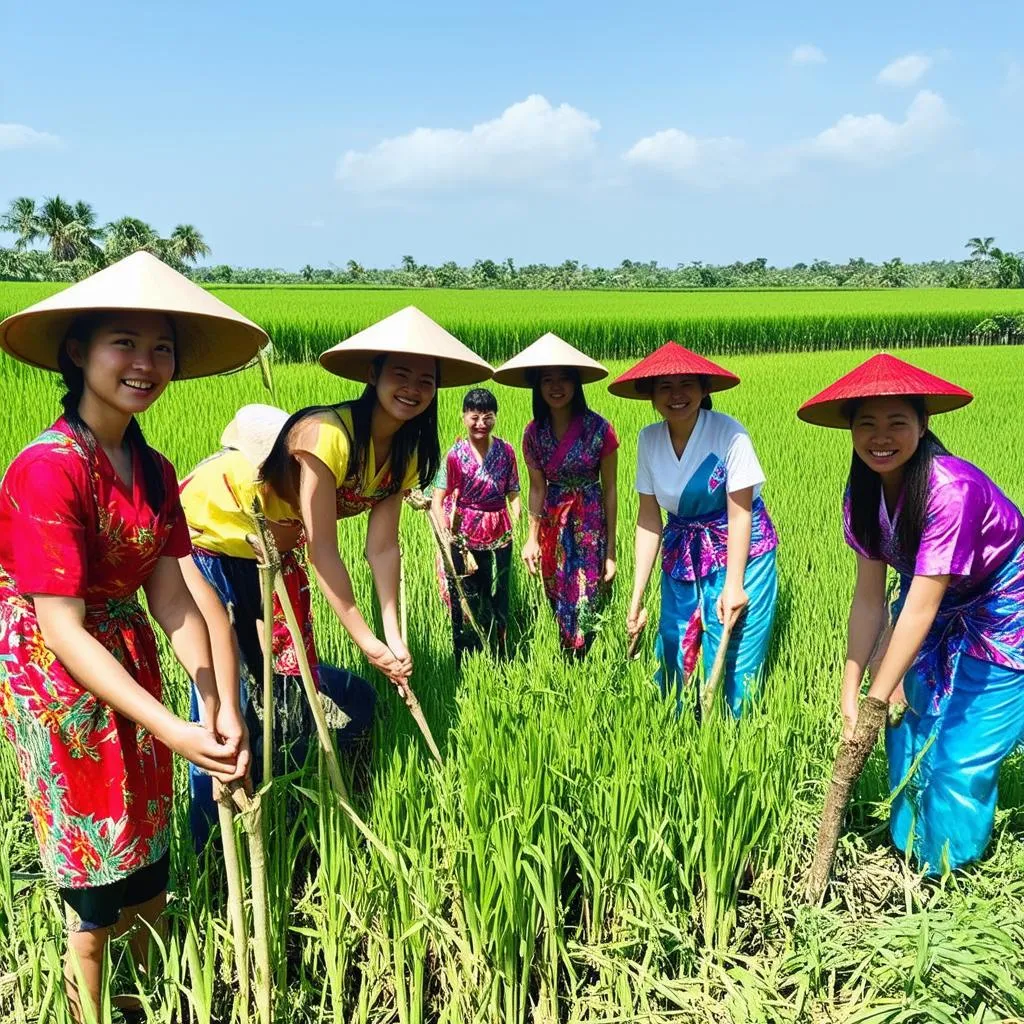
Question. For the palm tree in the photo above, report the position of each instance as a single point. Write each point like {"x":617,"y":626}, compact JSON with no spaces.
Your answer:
{"x":188,"y":244}
{"x":71,"y":230}
{"x":127,"y":235}
{"x":981,"y":248}
{"x":22,"y":220}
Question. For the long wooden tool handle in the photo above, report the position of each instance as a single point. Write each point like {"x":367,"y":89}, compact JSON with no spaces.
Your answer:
{"x":853,"y":755}
{"x":717,"y":670}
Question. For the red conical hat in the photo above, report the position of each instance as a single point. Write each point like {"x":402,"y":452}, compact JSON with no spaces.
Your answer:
{"x":881,"y":376}
{"x":667,"y":361}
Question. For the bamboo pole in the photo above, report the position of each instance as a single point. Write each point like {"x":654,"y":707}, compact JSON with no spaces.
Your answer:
{"x":252,"y":825}
{"x":236,"y":908}
{"x":267,"y":576}
{"x":849,"y":763}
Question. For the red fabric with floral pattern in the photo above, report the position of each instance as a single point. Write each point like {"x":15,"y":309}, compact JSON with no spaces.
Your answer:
{"x":98,"y":785}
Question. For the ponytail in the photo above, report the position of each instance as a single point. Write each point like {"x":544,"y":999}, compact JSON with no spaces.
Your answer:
{"x":82,"y":328}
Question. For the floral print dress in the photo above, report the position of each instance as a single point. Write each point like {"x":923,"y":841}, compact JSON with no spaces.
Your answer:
{"x":98,"y":785}
{"x":573,"y":533}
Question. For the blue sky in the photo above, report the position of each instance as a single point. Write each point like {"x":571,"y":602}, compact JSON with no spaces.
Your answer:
{"x":320,"y":132}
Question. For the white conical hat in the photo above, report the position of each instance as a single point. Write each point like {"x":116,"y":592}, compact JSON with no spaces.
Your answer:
{"x":253,"y":431}
{"x":412,"y":332}
{"x":548,"y":350}
{"x":210,"y":336}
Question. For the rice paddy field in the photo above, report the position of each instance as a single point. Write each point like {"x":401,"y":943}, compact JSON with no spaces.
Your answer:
{"x":304,"y":320}
{"x":582,"y":855}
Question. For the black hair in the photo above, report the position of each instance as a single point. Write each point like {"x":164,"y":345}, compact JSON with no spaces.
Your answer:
{"x":865,"y":490}
{"x":82,"y":329}
{"x":418,"y":435}
{"x":480,"y":400}
{"x":541,"y":412}
{"x":645,"y":386}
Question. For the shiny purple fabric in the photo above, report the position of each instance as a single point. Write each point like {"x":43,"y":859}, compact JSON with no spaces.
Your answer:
{"x":971,"y":527}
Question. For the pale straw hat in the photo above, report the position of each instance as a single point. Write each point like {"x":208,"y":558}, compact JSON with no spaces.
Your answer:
{"x":548,"y":350}
{"x":210,"y":336}
{"x":408,"y":332}
{"x":253,"y":431}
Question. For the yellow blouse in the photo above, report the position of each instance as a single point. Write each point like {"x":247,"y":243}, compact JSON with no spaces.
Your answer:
{"x":218,"y":494}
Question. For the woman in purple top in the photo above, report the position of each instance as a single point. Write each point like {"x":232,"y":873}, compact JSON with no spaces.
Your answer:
{"x":954,"y":656}
{"x":472,"y":492}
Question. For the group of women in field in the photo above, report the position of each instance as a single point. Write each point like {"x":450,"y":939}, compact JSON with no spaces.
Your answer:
{"x":90,"y":514}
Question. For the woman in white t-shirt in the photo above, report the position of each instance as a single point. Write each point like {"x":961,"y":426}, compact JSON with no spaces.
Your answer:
{"x":718,"y":544}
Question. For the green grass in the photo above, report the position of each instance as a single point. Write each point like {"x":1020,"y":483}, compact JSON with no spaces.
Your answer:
{"x":582,"y":856}
{"x":305,"y":320}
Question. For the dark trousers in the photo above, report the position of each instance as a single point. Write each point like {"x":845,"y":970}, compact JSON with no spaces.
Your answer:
{"x":486,"y":593}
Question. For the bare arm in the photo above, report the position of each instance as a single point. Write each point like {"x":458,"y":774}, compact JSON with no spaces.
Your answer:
{"x":384,"y":557}
{"x":317,"y":504}
{"x":867,"y":619}
{"x":646,"y":547}
{"x":95,"y":669}
{"x":610,"y":500}
{"x":535,"y":504}
{"x":733,"y":598}
{"x":909,"y":632}
{"x":437,"y":508}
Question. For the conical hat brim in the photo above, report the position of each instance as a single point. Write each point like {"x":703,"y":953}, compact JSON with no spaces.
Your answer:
{"x":210,"y":337}
{"x":253,"y":431}
{"x":409,"y":332}
{"x":548,"y":350}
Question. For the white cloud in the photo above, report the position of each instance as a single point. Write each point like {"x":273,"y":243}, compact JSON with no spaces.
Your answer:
{"x":20,"y":136}
{"x":874,"y":139}
{"x":807,"y":54}
{"x":904,"y":70}
{"x":707,"y":162}
{"x":530,"y":142}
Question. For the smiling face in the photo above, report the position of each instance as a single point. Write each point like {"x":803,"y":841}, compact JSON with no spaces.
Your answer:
{"x":406,"y":385}
{"x":557,"y":387}
{"x":886,"y":433}
{"x":479,"y":425}
{"x":127,"y":360}
{"x":677,"y":398}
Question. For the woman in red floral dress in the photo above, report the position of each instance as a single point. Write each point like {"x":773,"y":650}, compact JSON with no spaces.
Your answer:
{"x":89,"y":514}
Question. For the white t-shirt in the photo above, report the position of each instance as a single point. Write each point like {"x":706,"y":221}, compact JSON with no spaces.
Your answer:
{"x":719,"y":452}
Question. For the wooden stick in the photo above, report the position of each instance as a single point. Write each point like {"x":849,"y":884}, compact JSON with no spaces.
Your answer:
{"x":236,"y":908}
{"x":267,"y":575}
{"x":717,"y":670}
{"x":262,"y":545}
{"x":252,"y":824}
{"x":410,"y":698}
{"x":849,"y":764}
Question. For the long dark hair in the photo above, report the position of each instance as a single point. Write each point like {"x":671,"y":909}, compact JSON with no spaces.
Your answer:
{"x":541,"y":412}
{"x":417,"y":436}
{"x":645,"y":386}
{"x":82,"y":330}
{"x":865,"y":489}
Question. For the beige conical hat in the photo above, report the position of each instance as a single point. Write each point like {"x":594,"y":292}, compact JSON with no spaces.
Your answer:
{"x":548,"y":350}
{"x":253,"y":431}
{"x":412,"y":332}
{"x":210,"y":336}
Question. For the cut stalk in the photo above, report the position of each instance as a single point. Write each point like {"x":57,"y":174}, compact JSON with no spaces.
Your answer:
{"x":267,"y":575}
{"x":849,"y":764}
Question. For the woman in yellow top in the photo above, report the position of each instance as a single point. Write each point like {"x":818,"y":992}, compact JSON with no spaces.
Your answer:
{"x":325,"y":463}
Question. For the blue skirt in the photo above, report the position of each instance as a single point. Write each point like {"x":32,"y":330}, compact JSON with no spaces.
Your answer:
{"x":944,"y":815}
{"x":688,"y":611}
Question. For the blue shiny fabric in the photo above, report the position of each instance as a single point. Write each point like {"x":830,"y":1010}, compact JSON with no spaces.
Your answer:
{"x":944,"y":814}
{"x":682,"y":601}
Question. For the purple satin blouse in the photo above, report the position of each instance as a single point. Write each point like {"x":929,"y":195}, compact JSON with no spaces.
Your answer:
{"x":971,"y":528}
